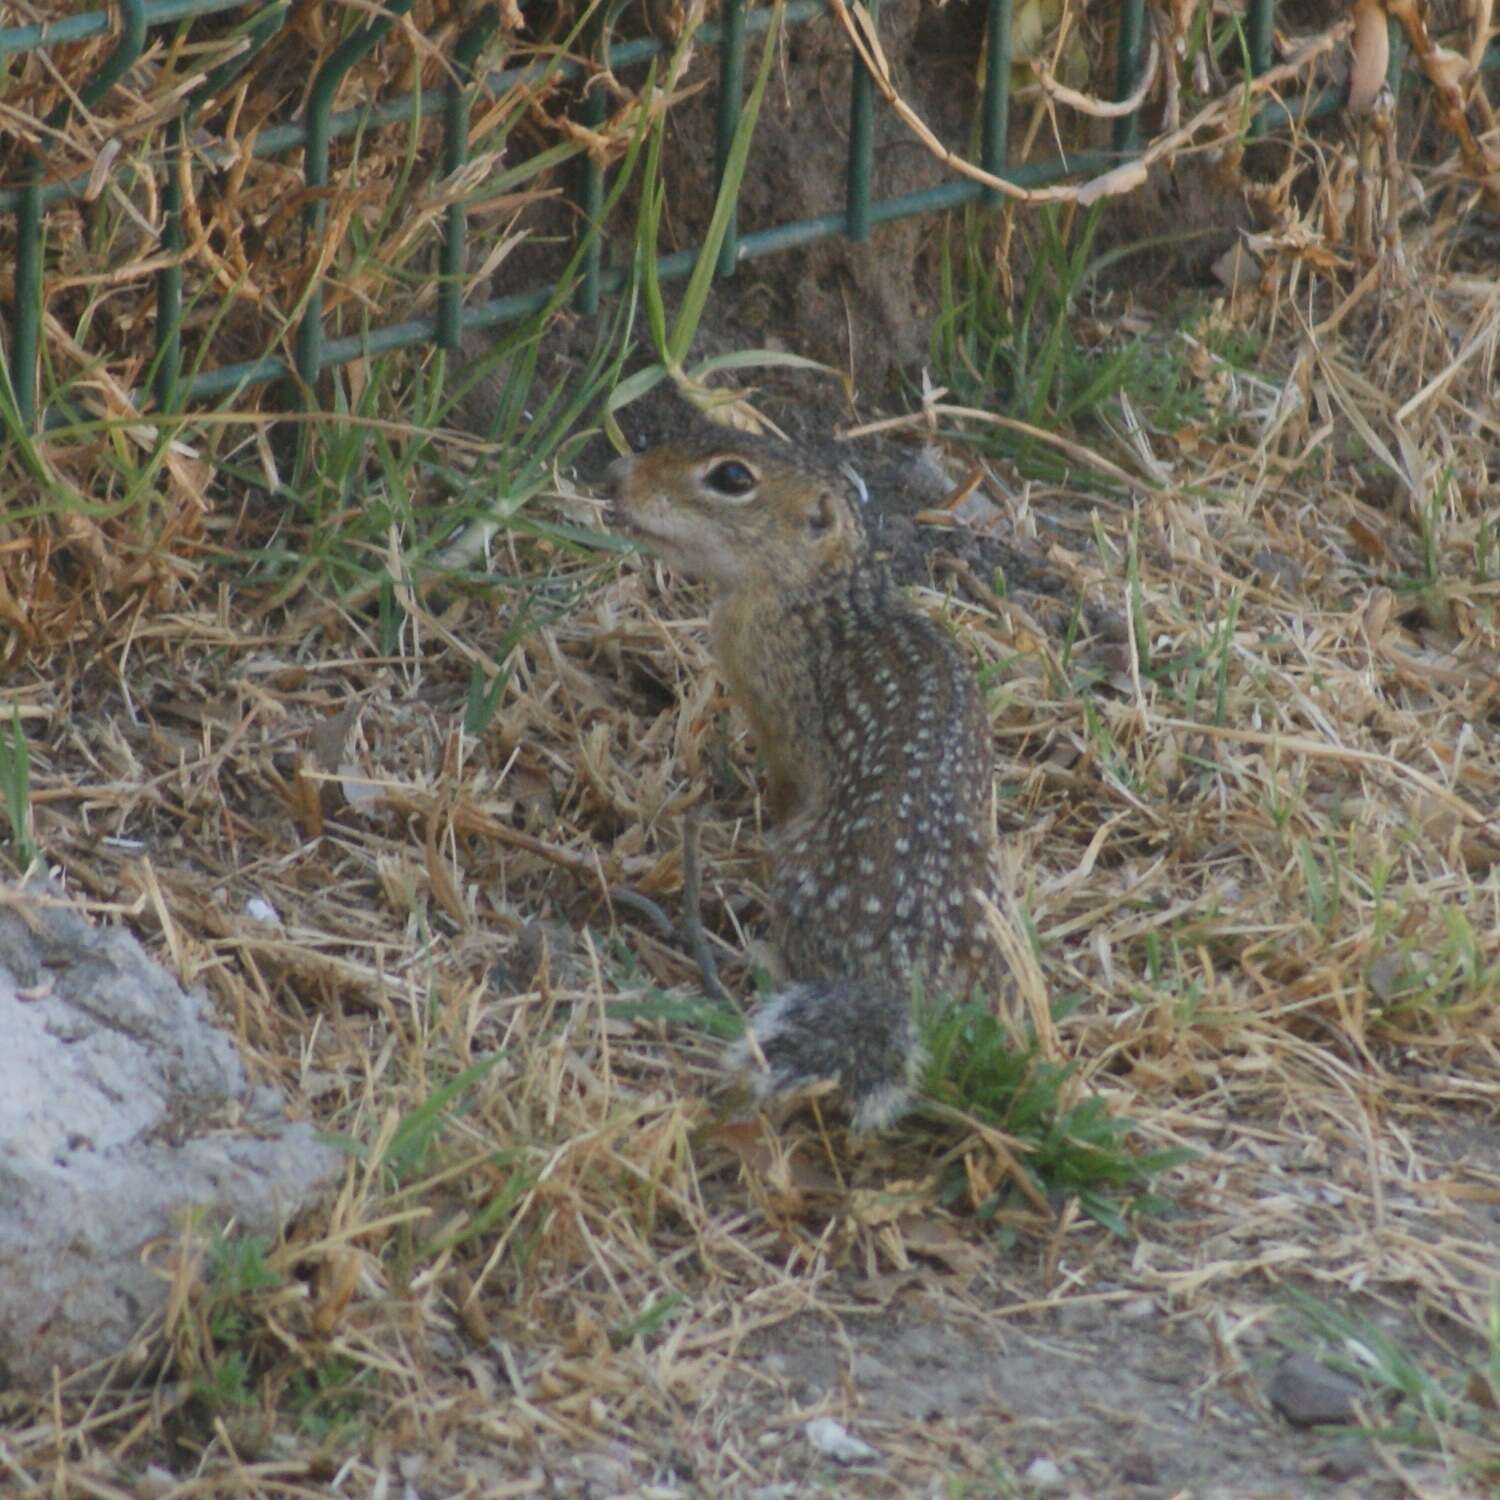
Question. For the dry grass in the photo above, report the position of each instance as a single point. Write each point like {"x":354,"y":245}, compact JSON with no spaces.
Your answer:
{"x":1256,"y":841}
{"x":249,"y":261}
{"x":1263,"y":858}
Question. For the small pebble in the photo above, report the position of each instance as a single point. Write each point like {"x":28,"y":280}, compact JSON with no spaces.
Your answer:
{"x":835,"y":1441}
{"x":1042,"y":1474}
{"x":1309,"y":1395}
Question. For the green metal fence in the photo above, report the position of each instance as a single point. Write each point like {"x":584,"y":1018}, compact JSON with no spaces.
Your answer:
{"x":321,"y":124}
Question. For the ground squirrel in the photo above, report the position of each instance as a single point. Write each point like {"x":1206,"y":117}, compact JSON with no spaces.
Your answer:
{"x":877,"y":748}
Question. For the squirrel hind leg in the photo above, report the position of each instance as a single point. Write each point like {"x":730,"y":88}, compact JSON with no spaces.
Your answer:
{"x":859,"y":1034}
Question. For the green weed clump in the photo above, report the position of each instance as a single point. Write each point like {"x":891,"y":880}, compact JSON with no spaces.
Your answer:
{"x":229,"y":1344}
{"x":1069,"y":1146}
{"x":15,"y":785}
{"x":214,"y":1328}
{"x":1017,"y":345}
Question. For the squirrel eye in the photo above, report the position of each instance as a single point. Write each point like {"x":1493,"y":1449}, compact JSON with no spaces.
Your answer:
{"x":731,"y":477}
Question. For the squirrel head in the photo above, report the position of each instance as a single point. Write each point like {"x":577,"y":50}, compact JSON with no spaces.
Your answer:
{"x":734,"y":511}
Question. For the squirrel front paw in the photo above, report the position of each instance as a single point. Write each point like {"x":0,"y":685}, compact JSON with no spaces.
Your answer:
{"x":857,"y":1033}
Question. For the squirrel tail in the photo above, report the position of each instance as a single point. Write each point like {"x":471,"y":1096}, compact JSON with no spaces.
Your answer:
{"x":860,"y":1034}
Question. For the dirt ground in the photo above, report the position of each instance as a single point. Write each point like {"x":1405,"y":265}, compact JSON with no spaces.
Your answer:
{"x":1137,"y":1371}
{"x":1338,"y":1151}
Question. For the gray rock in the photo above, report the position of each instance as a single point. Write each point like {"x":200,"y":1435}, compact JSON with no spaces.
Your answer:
{"x":1308,"y":1395}
{"x":121,"y":1105}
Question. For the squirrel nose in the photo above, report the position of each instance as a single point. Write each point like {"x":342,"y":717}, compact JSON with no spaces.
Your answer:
{"x":618,"y":472}
{"x":616,"y":477}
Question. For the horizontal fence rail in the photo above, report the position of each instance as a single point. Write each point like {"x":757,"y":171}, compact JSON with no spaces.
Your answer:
{"x":321,"y":124}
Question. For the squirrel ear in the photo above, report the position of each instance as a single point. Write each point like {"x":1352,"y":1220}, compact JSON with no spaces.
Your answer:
{"x":824,"y":515}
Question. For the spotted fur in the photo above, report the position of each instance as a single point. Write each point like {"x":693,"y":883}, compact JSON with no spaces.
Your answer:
{"x":878,"y":754}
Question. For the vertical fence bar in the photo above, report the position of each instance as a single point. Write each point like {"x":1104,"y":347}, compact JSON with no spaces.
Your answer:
{"x":731,"y":97}
{"x":25,"y":313}
{"x":1260,"y":33}
{"x":169,"y":278}
{"x":453,"y":261}
{"x":1127,"y":131}
{"x":591,"y":174}
{"x":1397,"y":56}
{"x":861,"y":146}
{"x":27,"y":317}
{"x":119,"y":62}
{"x":27,"y":320}
{"x":315,"y":170}
{"x":994,"y":128}
{"x":173,"y":238}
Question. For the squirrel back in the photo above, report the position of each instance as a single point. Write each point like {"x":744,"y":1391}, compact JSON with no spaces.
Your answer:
{"x":877,"y":748}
